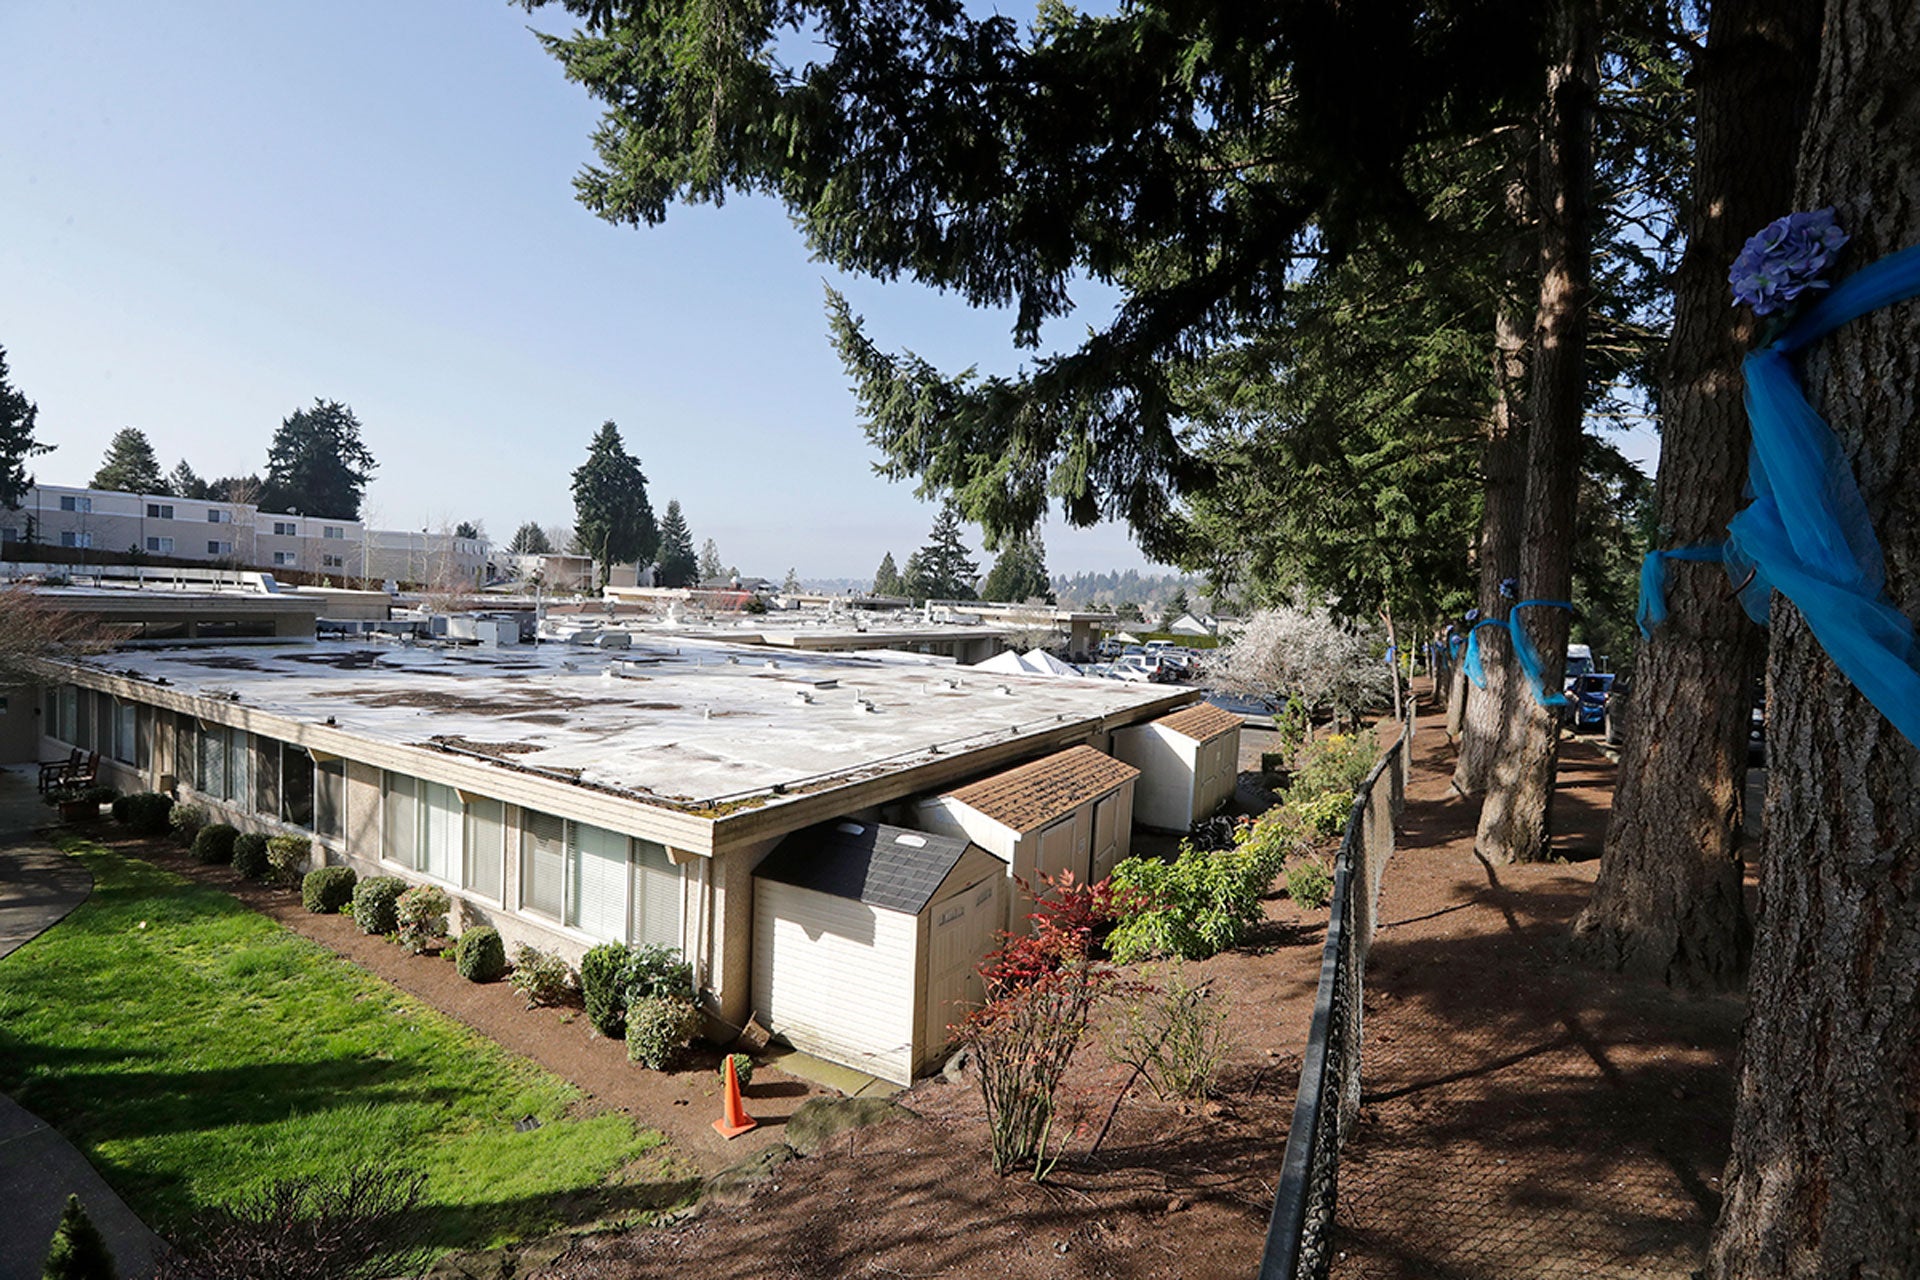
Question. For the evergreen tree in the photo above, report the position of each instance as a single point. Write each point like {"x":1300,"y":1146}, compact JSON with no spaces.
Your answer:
{"x":317,"y":465}
{"x":679,"y":566}
{"x":16,"y":440}
{"x":78,"y":1251}
{"x":613,"y":521}
{"x":914,"y":582}
{"x":1019,"y":574}
{"x":467,"y":529}
{"x":183,"y":482}
{"x":886,"y":579}
{"x":791,"y":584}
{"x":530,"y":540}
{"x":712,"y":568}
{"x":946,"y":571}
{"x":1177,"y":606}
{"x":130,"y":465}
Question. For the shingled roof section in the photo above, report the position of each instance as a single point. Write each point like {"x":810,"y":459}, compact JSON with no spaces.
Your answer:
{"x":1027,"y":798}
{"x":881,"y":866}
{"x":1203,"y":722}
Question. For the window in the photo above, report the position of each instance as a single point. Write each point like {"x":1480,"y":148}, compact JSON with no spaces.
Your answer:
{"x":600,"y":882}
{"x":285,"y":528}
{"x":332,"y":562}
{"x":597,"y":885}
{"x":330,"y":798}
{"x":285,"y":558}
{"x":186,"y":749}
{"x":239,"y":767}
{"x":332,"y":531}
{"x":543,"y":864}
{"x":400,"y":820}
{"x":210,"y":772}
{"x":486,"y":847}
{"x":126,"y":732}
{"x":69,"y":715}
{"x":159,"y":511}
{"x":656,"y":895}
{"x":266,"y":777}
{"x":162,"y":545}
{"x":442,"y":832}
{"x":216,"y":516}
{"x":219,"y":548}
{"x":68,"y":538}
{"x":296,"y":786}
{"x":9,"y":534}
{"x":70,"y":503}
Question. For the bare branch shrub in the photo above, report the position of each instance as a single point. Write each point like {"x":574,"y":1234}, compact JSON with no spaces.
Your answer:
{"x":1175,"y":1035}
{"x":34,"y":627}
{"x":358,"y":1225}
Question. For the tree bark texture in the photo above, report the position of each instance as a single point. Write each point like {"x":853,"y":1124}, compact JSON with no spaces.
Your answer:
{"x":1667,"y":904}
{"x":1485,"y":713}
{"x":1824,"y":1179}
{"x":1514,"y":817}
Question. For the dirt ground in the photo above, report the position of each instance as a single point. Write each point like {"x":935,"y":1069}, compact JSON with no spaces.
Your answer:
{"x":1520,"y":1116}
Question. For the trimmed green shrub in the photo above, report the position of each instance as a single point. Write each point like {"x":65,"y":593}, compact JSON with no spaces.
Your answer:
{"x":601,"y":974}
{"x":250,"y":854}
{"x":375,"y":903}
{"x":327,"y":889}
{"x":656,"y":971}
{"x":1271,"y":839}
{"x":742,"y":1067}
{"x":658,"y":1028}
{"x":186,"y":821}
{"x":480,"y":956}
{"x":422,"y":916}
{"x":213,"y":844}
{"x":1309,"y":884}
{"x":541,"y":976}
{"x":78,"y":1250}
{"x":287,"y":856}
{"x":146,"y":812}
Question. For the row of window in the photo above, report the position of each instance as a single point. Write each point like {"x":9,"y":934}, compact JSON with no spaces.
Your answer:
{"x":610,"y":886}
{"x":215,"y":515}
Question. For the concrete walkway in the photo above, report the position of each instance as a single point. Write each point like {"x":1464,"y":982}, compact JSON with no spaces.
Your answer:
{"x":38,"y":1167}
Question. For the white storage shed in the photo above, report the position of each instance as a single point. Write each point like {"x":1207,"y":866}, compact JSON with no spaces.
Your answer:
{"x":866,"y":942}
{"x":1188,"y":764}
{"x":1069,"y":812}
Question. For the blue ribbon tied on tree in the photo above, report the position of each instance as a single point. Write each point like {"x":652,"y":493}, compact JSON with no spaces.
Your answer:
{"x":1523,"y":651}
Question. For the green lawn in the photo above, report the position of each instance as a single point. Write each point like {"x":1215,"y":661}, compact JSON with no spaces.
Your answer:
{"x":194,"y":1049}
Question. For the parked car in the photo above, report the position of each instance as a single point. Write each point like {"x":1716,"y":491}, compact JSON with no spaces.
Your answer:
{"x":1613,"y":718}
{"x":1587,"y":699}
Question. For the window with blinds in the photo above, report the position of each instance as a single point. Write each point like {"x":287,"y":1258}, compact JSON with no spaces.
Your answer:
{"x":543,"y":863}
{"x":400,"y":819}
{"x":442,"y":830}
{"x":210,"y":775}
{"x":597,"y":882}
{"x":330,"y":798}
{"x":69,"y":714}
{"x":239,"y":768}
{"x":266,"y":777}
{"x":485,"y":866}
{"x":186,"y":749}
{"x":296,"y":786}
{"x":656,"y":896}
{"x":106,"y":725}
{"x":125,"y":732}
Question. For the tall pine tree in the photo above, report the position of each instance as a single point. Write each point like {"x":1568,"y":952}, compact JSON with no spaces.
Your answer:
{"x":1019,"y":574}
{"x":613,"y":520}
{"x":16,"y":440}
{"x":530,"y":540}
{"x":130,"y":465}
{"x":317,"y":464}
{"x":679,"y":566}
{"x":886,"y":579}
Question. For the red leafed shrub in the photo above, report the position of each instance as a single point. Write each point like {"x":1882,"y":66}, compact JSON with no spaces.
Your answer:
{"x":1041,"y":990}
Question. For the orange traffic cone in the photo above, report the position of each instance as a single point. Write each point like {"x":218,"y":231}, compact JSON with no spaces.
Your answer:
{"x":734,"y":1119}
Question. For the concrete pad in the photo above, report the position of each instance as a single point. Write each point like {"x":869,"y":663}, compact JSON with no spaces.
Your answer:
{"x":853,"y":1083}
{"x":38,"y":887}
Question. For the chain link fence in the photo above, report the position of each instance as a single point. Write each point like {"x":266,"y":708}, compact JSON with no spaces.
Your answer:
{"x":1299,"y":1233}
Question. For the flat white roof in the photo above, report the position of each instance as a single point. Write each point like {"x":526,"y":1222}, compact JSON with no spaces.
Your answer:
{"x":687,"y":722}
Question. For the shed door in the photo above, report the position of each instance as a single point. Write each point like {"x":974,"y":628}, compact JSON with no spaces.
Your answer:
{"x":962,"y":930}
{"x":1057,"y":852}
{"x":1106,"y":836}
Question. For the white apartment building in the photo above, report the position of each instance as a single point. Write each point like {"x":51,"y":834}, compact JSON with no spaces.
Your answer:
{"x":128,"y":526}
{"x":431,"y":560}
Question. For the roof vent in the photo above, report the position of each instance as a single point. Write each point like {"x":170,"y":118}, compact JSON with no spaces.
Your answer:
{"x":802,"y":697}
{"x":912,"y":842}
{"x":850,"y":829}
{"x":773,"y":664}
{"x":1006,"y":691}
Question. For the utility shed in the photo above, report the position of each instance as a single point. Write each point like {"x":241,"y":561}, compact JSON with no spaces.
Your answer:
{"x":1069,"y":812}
{"x":866,"y":942}
{"x":1188,"y":764}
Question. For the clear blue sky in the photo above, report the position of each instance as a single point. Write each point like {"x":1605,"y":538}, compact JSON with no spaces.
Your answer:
{"x":212,"y":213}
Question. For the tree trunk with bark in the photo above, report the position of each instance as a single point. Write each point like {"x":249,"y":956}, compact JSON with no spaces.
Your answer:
{"x":1483,"y":714}
{"x":1514,"y":818}
{"x":1824,"y":1179}
{"x":1667,"y":904}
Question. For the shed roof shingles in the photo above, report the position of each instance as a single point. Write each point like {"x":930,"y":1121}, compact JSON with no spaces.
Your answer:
{"x":879,"y":865}
{"x":1033,"y":795}
{"x":1202,"y":722}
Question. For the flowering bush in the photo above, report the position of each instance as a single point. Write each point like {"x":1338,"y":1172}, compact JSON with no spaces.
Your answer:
{"x":422,"y":915}
{"x":1785,"y":260}
{"x":540,"y":976}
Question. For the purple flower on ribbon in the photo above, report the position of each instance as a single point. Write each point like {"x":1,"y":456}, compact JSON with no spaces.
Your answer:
{"x":1785,"y":260}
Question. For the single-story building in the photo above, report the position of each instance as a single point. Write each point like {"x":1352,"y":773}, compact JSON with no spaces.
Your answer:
{"x":1189,"y":762}
{"x":570,"y":795}
{"x":867,"y":938}
{"x":1068,"y":812}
